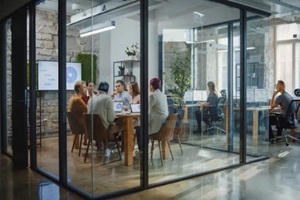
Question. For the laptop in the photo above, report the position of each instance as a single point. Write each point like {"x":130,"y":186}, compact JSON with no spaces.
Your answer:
{"x":118,"y":106}
{"x":135,"y":108}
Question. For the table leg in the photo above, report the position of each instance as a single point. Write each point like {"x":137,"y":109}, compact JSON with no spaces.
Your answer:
{"x":185,"y":116}
{"x":128,"y":154}
{"x":255,"y":127}
{"x":226,"y":124}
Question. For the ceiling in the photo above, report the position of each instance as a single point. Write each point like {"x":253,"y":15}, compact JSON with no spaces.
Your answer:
{"x":284,"y":10}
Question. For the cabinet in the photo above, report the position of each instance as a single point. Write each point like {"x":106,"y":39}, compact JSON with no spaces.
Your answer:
{"x":255,"y":75}
{"x":127,"y":74}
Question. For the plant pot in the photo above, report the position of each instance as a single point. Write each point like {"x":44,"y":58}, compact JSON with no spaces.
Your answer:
{"x":120,"y":73}
{"x":133,"y":57}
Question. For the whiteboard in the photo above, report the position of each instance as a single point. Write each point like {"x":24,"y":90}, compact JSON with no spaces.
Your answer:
{"x":48,"y":75}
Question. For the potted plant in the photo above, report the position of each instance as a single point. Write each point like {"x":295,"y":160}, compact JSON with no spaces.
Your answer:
{"x":132,"y":51}
{"x":180,"y":75}
{"x":122,"y":69}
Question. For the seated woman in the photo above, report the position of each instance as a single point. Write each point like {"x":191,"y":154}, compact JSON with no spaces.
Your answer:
{"x":209,"y":107}
{"x":134,"y":91}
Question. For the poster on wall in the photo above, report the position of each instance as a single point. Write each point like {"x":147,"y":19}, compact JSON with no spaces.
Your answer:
{"x":48,"y":75}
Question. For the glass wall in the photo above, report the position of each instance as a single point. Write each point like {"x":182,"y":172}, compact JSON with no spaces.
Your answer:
{"x":8,"y":89}
{"x":257,"y":59}
{"x":196,"y":55}
{"x":194,"y":77}
{"x":47,"y":87}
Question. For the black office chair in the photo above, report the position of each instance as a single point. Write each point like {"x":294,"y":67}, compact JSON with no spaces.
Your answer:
{"x":219,"y":117}
{"x":290,"y":121}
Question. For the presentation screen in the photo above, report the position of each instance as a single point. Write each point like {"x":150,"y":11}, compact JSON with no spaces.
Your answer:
{"x":48,"y":75}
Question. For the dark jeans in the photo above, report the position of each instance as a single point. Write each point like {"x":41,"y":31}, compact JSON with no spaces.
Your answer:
{"x":198,"y":115}
{"x":273,"y":121}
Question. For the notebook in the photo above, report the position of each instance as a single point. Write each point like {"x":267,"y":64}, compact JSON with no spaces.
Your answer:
{"x":118,"y":106}
{"x":135,"y":108}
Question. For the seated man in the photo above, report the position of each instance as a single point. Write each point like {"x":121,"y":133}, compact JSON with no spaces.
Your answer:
{"x":120,"y":94}
{"x":283,"y":100}
{"x":103,"y":106}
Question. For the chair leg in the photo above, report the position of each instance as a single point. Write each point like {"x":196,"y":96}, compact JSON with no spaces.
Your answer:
{"x":152,"y":148}
{"x":118,"y":148}
{"x":80,"y":144}
{"x":179,"y":142}
{"x":87,"y":150}
{"x":160,"y":153}
{"x":170,"y":149}
{"x":75,"y":139}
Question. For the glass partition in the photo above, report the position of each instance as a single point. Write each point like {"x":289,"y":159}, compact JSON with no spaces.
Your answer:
{"x":8,"y":113}
{"x":194,"y":78}
{"x":104,"y":39}
{"x":258,"y":95}
{"x":47,"y":87}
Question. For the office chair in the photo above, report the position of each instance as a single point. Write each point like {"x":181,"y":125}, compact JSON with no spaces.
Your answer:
{"x":290,"y":121}
{"x":219,"y":117}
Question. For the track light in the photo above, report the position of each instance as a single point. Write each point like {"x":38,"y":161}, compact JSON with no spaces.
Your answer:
{"x":98,"y":28}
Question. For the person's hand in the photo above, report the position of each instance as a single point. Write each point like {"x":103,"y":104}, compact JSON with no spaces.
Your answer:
{"x":275,"y":92}
{"x":125,"y":108}
{"x":114,"y":94}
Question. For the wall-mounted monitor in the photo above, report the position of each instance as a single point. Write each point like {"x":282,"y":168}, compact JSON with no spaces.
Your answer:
{"x":48,"y":75}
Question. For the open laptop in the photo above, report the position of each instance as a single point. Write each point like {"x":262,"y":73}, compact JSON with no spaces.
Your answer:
{"x":118,"y":106}
{"x":135,"y":108}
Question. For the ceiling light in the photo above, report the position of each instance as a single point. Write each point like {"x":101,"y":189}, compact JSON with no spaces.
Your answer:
{"x":98,"y":28}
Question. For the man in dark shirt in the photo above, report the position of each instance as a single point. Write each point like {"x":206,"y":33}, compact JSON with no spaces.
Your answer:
{"x":281,"y":102}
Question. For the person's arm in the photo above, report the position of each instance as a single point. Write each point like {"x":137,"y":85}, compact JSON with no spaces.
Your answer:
{"x":110,"y":111}
{"x":273,"y":104}
{"x":151,"y":102}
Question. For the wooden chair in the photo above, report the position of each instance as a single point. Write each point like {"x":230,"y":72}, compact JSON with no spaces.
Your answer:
{"x":95,"y":130}
{"x":179,"y":127}
{"x":165,"y":134}
{"x":76,"y":129}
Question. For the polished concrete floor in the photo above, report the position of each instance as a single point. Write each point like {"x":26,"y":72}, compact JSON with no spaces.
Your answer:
{"x":275,"y":178}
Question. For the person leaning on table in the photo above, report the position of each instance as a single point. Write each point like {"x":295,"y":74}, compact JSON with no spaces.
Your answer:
{"x":104,"y":107}
{"x":283,"y":100}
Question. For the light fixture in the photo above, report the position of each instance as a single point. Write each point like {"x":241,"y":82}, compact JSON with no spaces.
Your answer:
{"x":98,"y":28}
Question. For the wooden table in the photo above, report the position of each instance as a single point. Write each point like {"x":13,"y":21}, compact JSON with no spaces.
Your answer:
{"x":128,"y":135}
{"x":255,"y":120}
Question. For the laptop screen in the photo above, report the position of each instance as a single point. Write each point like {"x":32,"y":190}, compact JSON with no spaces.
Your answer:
{"x":118,"y":106}
{"x":135,"y":108}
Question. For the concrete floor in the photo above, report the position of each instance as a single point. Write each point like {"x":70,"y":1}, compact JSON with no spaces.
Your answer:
{"x":275,"y":178}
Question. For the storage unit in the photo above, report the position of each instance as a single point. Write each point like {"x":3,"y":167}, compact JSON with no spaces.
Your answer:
{"x":127,"y":73}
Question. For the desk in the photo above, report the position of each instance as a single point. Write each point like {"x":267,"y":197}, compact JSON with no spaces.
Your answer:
{"x":128,"y":134}
{"x":186,"y":108}
{"x":255,"y":120}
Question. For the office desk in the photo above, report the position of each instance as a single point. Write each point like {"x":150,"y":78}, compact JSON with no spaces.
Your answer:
{"x":128,"y":134}
{"x":255,"y":120}
{"x":186,"y":108}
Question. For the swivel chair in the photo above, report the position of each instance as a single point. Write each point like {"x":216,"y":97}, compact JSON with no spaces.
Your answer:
{"x":219,"y":117}
{"x":290,"y":121}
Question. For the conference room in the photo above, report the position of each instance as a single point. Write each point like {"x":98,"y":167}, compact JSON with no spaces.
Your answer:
{"x":185,"y":44}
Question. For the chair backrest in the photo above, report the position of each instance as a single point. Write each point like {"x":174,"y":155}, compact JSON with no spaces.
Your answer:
{"x":167,"y":130}
{"x":95,"y":129}
{"x":221,"y":103}
{"x":291,"y":119}
{"x":75,"y":126}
